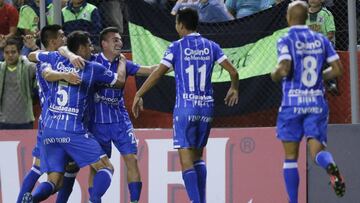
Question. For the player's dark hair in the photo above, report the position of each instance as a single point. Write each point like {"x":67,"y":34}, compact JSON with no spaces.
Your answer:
{"x":105,"y":31}
{"x":188,"y":17}
{"x":76,"y":39}
{"x":48,"y":33}
{"x":13,"y":41}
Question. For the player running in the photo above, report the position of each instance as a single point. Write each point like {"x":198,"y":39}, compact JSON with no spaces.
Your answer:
{"x":304,"y":109}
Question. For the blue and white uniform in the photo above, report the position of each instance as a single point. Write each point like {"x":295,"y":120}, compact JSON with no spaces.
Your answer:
{"x":110,"y":119}
{"x":43,"y":90}
{"x":304,"y":109}
{"x":192,"y":58}
{"x":65,"y":133}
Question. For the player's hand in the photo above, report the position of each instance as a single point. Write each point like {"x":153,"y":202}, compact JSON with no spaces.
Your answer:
{"x":77,"y":61}
{"x":72,"y":78}
{"x":137,"y":106}
{"x":232,"y":97}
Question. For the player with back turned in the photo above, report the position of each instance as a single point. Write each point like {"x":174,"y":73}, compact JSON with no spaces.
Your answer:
{"x":192,"y":58}
{"x":304,"y":109}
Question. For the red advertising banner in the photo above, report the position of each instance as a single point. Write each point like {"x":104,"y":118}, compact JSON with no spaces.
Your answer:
{"x":244,"y":166}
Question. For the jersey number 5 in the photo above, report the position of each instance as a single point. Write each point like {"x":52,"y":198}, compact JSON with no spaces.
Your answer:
{"x":62,"y":96}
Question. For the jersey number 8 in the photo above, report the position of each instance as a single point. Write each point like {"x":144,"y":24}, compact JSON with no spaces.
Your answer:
{"x":309,"y":75}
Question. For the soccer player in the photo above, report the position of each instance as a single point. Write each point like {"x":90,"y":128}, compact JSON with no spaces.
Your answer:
{"x":110,"y":119}
{"x":65,"y":134}
{"x":192,"y":58}
{"x":304,"y":109}
{"x":111,"y":122}
{"x":52,"y":38}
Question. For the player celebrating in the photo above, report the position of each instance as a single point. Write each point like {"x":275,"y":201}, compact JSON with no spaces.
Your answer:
{"x":52,"y":38}
{"x":192,"y":58}
{"x":64,"y":132}
{"x":304,"y":109}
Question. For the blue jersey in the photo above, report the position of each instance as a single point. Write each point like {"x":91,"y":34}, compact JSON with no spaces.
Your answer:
{"x":109,"y":102}
{"x":42,"y":87}
{"x":193,"y":58}
{"x":308,"y":51}
{"x":68,"y":104}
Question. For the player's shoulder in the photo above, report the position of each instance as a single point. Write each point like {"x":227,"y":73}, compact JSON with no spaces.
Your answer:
{"x":284,"y":38}
{"x":94,"y":64}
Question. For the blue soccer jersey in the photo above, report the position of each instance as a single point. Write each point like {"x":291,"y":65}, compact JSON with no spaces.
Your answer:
{"x":42,"y":87}
{"x":68,"y":103}
{"x":109,"y":102}
{"x":193,"y":58}
{"x":308,"y":51}
{"x":304,"y":109}
{"x":42,"y":90}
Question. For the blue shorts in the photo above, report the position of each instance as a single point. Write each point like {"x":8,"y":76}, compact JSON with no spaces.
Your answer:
{"x":59,"y":147}
{"x":295,"y":122}
{"x":121,"y":134}
{"x":192,"y":127}
{"x":36,"y":150}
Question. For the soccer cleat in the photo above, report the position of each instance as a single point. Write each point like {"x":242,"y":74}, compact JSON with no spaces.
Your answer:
{"x":336,"y":180}
{"x":27,"y":198}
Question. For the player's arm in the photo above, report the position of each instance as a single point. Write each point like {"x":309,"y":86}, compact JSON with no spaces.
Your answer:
{"x":52,"y":76}
{"x":75,"y":60}
{"x":334,"y":70}
{"x":148,"y":84}
{"x":282,"y":70}
{"x":232,"y":96}
{"x":146,"y":70}
{"x":33,"y":56}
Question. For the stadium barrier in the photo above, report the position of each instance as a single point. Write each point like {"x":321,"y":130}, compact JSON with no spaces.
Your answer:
{"x":244,"y":165}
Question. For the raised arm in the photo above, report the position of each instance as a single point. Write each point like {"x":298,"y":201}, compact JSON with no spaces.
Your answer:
{"x":232,"y":96}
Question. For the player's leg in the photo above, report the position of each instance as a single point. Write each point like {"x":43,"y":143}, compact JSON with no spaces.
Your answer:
{"x":102,"y":179}
{"x":289,"y":129}
{"x":133,"y":177}
{"x":184,"y":136}
{"x":71,"y":171}
{"x":125,"y":141}
{"x":203,"y":132}
{"x":290,"y":170}
{"x":30,"y":179}
{"x":34,"y":174}
{"x":102,"y":135}
{"x":316,"y":133}
{"x":190,"y":177}
{"x":201,"y":171}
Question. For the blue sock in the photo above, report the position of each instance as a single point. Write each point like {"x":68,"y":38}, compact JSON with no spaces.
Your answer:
{"x":102,"y":181}
{"x":135,"y":190}
{"x":191,"y":184}
{"x":291,"y":176}
{"x":201,"y":172}
{"x":67,"y":187}
{"x":29,"y":182}
{"x":324,"y":158}
{"x":43,"y":191}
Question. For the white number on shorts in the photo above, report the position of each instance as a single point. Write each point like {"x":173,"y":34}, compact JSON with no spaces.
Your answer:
{"x":309,"y":75}
{"x":190,"y":72}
